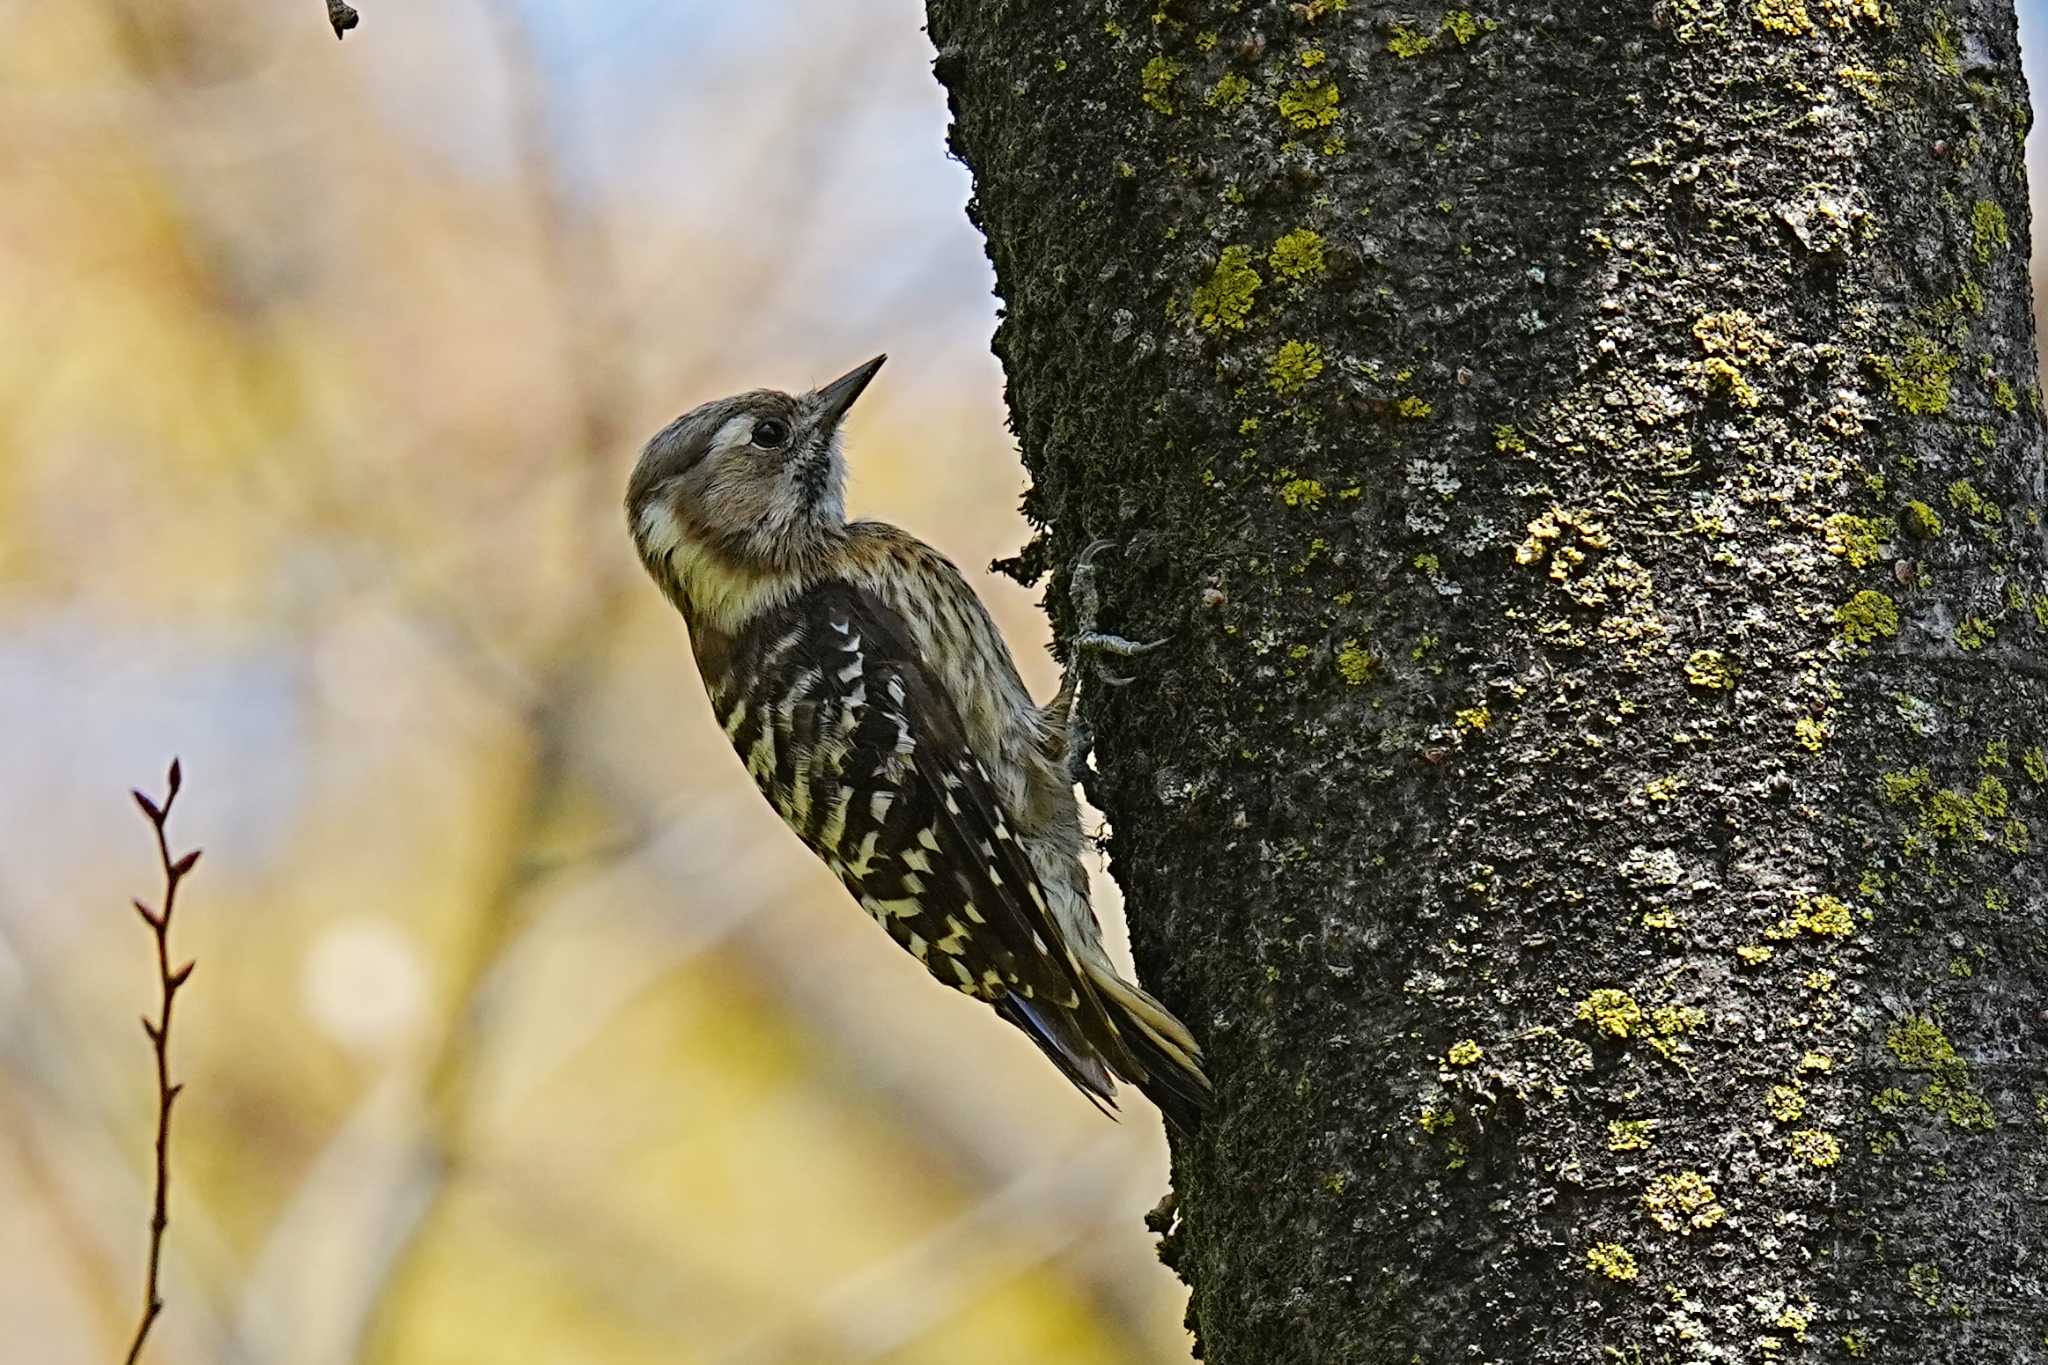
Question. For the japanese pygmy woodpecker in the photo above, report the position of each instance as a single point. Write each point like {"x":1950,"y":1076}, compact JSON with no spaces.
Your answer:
{"x":878,"y":709}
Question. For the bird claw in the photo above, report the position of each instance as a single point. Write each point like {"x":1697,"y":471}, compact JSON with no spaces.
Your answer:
{"x":1085,"y":561}
{"x":1097,"y":642}
{"x":1088,"y":641}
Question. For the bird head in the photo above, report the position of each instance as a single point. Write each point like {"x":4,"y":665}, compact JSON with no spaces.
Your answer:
{"x":751,"y":484}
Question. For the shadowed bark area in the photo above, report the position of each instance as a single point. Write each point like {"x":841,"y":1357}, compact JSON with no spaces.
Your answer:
{"x":1588,"y":462}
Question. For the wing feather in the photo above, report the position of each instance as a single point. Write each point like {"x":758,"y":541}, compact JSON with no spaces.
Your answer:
{"x":868,"y":761}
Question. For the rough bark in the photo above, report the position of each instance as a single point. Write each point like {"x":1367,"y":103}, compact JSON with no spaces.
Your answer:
{"x":1588,"y":461}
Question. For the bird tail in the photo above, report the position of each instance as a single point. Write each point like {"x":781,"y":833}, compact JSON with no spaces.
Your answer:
{"x":1116,"y":1028}
{"x":1164,"y":1055}
{"x":1061,"y":1037}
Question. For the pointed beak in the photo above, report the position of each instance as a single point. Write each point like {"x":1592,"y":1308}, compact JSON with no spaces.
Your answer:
{"x":837,"y":396}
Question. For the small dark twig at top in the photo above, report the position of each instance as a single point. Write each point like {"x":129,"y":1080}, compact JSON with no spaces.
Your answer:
{"x":159,"y":1031}
{"x":341,"y":16}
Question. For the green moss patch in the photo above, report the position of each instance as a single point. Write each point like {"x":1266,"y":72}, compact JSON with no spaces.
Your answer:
{"x":1225,"y":299}
{"x":1918,"y":377}
{"x":1298,"y":255}
{"x":1920,"y":1045}
{"x":1293,"y":366}
{"x":1989,"y":232}
{"x":1156,"y":84}
{"x":1866,"y":617}
{"x":1309,"y":104}
{"x":1612,"y":1012}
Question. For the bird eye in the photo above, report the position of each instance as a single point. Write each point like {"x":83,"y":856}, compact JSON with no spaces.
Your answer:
{"x":770,"y":432}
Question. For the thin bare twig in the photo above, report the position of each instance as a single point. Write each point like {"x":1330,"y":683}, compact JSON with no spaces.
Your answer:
{"x":341,"y":16}
{"x":159,"y":922}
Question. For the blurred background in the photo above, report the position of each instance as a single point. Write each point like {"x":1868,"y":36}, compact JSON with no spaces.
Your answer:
{"x":521,"y":1029}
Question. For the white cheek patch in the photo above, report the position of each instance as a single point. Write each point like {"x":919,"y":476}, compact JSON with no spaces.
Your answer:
{"x":660,"y":532}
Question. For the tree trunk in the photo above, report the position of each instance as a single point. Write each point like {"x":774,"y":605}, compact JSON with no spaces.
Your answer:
{"x":1588,"y":462}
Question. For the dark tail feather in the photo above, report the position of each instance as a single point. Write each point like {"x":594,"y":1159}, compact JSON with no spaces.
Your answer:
{"x":1171,"y":1081}
{"x":1166,"y":1060}
{"x":1074,"y":1057}
{"x":1119,"y":1029}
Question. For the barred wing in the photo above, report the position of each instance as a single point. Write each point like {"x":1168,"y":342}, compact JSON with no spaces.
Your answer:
{"x":841,"y":727}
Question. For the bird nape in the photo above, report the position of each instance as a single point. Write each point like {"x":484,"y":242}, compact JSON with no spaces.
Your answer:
{"x":877,"y":707}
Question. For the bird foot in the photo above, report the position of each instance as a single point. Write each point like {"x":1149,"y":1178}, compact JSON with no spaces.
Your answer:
{"x":1089,"y":647}
{"x":1095,"y":642}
